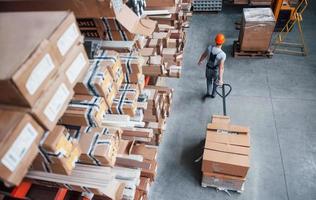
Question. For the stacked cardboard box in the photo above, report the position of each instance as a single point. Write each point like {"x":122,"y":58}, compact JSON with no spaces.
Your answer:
{"x":58,"y":152}
{"x":256,"y":29}
{"x":96,"y":147}
{"x":260,"y":2}
{"x":41,"y":60}
{"x":226,"y":155}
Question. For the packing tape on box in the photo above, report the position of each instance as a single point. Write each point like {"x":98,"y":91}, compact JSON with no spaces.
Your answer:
{"x":102,"y":55}
{"x":46,"y":155}
{"x":126,"y":61}
{"x":120,"y":102}
{"x":127,"y":88}
{"x":91,"y":76}
{"x":92,"y":107}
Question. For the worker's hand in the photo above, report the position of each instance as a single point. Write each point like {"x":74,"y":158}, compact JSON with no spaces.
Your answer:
{"x":200,"y":62}
{"x":220,"y":82}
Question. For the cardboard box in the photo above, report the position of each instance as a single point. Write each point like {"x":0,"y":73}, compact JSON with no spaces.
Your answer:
{"x":120,"y":36}
{"x":53,"y":103}
{"x":97,"y":81}
{"x":224,"y":138}
{"x":124,"y":104}
{"x":225,"y":163}
{"x":239,"y":2}
{"x":228,"y":128}
{"x":58,"y":140}
{"x":154,"y":66}
{"x":131,"y":63}
{"x":261,"y":2}
{"x":156,"y":4}
{"x":38,"y":55}
{"x":25,"y":68}
{"x":19,"y":137}
{"x":75,"y":65}
{"x":99,"y":146}
{"x":57,"y":162}
{"x":84,"y":110}
{"x":130,"y":88}
{"x":150,"y":173}
{"x":223,"y":181}
{"x":229,"y":148}
{"x":218,"y":119}
{"x":148,"y":152}
{"x":147,"y":51}
{"x":132,"y":22}
{"x":111,"y":60}
{"x":155,"y":43}
{"x":256,"y":29}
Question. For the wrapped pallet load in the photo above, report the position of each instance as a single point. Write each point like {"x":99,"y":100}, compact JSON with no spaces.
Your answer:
{"x":256,"y":29}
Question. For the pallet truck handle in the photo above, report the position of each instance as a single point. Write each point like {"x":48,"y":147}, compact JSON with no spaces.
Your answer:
{"x":224,"y":94}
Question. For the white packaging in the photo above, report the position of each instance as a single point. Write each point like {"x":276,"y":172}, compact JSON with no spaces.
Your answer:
{"x":75,"y":68}
{"x":57,"y":102}
{"x":39,"y":74}
{"x":67,"y":39}
{"x":20,"y":147}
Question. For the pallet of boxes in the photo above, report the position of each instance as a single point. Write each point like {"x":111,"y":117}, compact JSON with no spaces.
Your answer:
{"x":226,"y":155}
{"x":255,"y":34}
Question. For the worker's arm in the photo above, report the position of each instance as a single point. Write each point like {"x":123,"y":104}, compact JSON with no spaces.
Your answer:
{"x":203,"y":56}
{"x":221,"y":72}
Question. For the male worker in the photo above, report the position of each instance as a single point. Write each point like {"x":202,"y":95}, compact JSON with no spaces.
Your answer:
{"x":215,"y":65}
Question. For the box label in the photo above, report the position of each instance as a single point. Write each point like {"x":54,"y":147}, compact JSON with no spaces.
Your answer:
{"x":75,"y":68}
{"x":57,"y":102}
{"x":39,"y":74}
{"x":67,"y":39}
{"x":20,"y":147}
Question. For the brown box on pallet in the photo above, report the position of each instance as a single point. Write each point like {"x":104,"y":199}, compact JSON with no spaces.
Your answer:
{"x":256,"y":29}
{"x":227,"y":138}
{"x":75,"y":65}
{"x":228,"y":128}
{"x":220,"y":119}
{"x":97,"y":82}
{"x":223,"y":181}
{"x":99,"y":146}
{"x":225,"y":163}
{"x":84,"y":110}
{"x":148,"y":152}
{"x":19,"y":137}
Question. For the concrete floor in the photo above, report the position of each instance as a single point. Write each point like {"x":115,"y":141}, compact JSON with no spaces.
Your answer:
{"x":275,"y":97}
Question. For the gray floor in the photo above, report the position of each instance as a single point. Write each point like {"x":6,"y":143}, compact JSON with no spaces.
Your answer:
{"x":275,"y":97}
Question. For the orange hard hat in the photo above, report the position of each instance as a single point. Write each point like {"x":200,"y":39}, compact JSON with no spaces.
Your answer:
{"x":220,"y":38}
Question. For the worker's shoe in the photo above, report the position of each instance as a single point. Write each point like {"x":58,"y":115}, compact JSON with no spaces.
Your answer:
{"x":212,"y":96}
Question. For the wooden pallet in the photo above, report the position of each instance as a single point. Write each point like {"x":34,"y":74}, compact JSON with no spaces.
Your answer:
{"x":205,"y":185}
{"x":237,"y":53}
